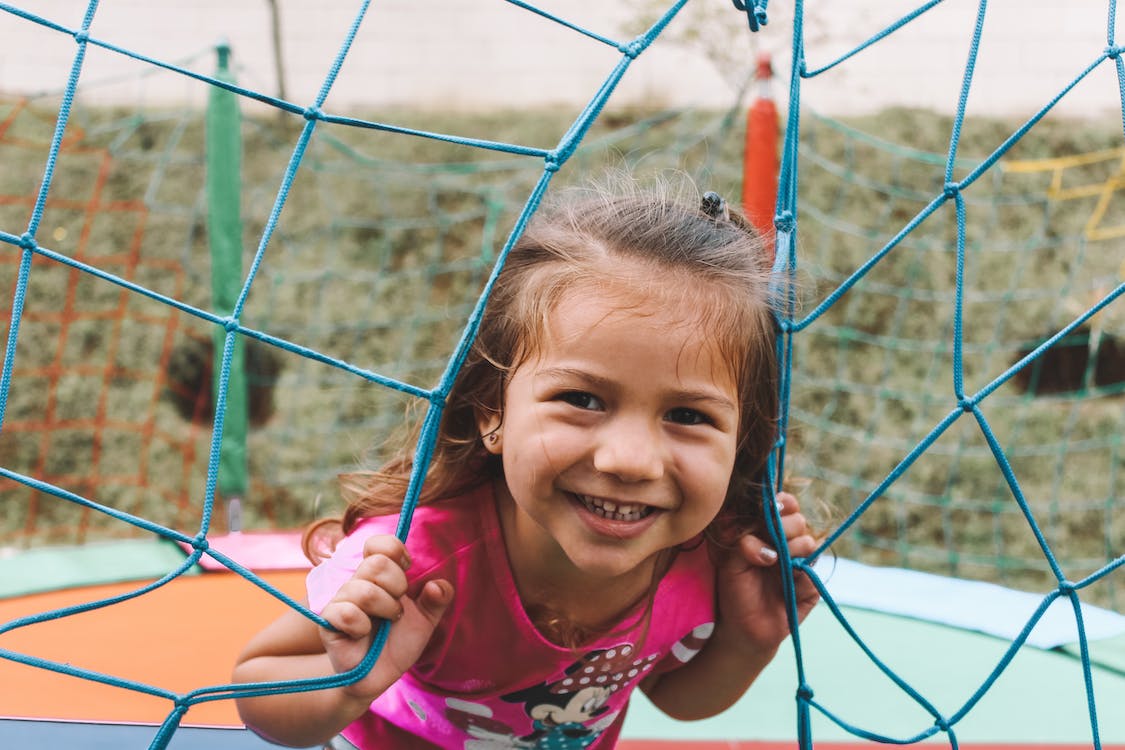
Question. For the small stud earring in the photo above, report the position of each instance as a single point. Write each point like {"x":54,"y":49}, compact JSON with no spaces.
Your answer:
{"x":492,"y":438}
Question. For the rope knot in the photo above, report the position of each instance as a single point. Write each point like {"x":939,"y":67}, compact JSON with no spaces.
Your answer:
{"x":230,"y":324}
{"x":312,"y":113}
{"x":966,"y":403}
{"x":784,"y":221}
{"x":551,"y":163}
{"x":200,"y":543}
{"x":81,"y":36}
{"x":27,"y":241}
{"x":942,"y":723}
{"x":805,"y":693}
{"x":1114,"y":51}
{"x":1066,"y":588}
{"x":755,"y":16}
{"x":951,"y":189}
{"x":632,"y":49}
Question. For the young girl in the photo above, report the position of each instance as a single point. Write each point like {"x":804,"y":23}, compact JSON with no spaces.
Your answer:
{"x":591,"y":522}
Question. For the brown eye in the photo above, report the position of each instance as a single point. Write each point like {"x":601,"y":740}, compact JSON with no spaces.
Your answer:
{"x":582,"y":400}
{"x":687,"y":416}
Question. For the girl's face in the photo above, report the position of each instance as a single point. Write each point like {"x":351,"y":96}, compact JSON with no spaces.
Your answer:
{"x":618,"y":435}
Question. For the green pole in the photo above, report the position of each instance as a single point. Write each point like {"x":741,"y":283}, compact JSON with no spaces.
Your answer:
{"x":224,"y":230}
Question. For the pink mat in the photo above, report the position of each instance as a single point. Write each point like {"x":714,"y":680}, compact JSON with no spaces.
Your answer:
{"x":257,"y":550}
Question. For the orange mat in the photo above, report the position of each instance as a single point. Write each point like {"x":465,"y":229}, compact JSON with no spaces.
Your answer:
{"x":180,"y":637}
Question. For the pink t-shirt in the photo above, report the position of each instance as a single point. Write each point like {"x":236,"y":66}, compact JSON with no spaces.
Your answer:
{"x":488,"y":680}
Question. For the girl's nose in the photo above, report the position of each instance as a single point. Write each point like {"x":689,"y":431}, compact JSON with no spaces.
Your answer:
{"x":629,"y":451}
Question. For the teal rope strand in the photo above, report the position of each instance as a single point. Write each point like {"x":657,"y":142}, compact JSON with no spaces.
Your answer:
{"x":966,"y":86}
{"x":876,"y":38}
{"x":217,"y":435}
{"x":572,"y":26}
{"x":18,"y":298}
{"x":60,"y":123}
{"x":959,"y":299}
{"x":27,"y":242}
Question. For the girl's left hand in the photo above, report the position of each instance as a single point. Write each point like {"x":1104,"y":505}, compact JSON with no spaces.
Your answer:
{"x":751,"y":600}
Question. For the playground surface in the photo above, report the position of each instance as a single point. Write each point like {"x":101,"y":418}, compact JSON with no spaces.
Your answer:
{"x":942,"y":636}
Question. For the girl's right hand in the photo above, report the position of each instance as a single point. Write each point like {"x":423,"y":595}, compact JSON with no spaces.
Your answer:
{"x":377,"y":592}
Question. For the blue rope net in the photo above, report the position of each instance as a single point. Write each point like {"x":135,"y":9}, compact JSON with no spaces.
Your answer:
{"x":962,"y":402}
{"x":871,"y":375}
{"x":962,"y":405}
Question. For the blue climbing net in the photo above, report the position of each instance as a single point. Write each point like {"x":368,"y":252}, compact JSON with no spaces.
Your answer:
{"x":963,"y":405}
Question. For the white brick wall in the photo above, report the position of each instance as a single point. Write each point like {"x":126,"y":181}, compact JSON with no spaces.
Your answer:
{"x":487,"y":54}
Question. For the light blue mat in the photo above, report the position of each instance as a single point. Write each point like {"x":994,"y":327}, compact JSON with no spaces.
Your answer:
{"x":1040,"y":698}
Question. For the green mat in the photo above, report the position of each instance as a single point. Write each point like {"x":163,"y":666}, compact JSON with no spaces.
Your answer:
{"x":42,"y":569}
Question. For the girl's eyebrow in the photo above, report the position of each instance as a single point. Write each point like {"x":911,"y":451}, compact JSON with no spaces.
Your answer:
{"x":685,"y":396}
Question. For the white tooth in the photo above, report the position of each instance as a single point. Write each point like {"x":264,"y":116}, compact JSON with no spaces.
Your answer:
{"x":614,"y":510}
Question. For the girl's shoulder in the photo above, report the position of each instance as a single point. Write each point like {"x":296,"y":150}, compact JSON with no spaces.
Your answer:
{"x":441,"y":534}
{"x":461,"y":513}
{"x":438,"y":530}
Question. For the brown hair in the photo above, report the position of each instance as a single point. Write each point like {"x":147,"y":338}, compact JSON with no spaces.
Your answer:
{"x":576,"y":239}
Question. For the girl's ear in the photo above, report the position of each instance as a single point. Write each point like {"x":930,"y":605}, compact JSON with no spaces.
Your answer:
{"x":320,"y":539}
{"x":491,"y":424}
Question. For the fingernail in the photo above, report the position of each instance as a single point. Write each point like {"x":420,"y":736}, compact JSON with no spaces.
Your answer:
{"x":406,"y":560}
{"x":769,"y":553}
{"x":780,"y":506}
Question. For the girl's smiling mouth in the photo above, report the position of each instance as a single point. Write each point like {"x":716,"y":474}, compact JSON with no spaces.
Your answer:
{"x":615,"y":511}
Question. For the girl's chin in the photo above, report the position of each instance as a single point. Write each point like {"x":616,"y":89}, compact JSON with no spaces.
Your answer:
{"x":601,"y":562}
{"x":611,"y":570}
